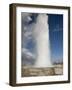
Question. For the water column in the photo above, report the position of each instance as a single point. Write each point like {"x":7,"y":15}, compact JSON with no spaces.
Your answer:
{"x":41,"y":35}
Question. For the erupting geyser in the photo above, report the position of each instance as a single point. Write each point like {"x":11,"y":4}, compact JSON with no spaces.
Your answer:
{"x":41,"y":35}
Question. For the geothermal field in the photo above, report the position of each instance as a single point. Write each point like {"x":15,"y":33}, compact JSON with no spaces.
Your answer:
{"x":42,"y":65}
{"x":47,"y":71}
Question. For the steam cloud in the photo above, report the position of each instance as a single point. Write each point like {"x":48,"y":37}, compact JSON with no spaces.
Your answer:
{"x":39,"y":32}
{"x":41,"y":35}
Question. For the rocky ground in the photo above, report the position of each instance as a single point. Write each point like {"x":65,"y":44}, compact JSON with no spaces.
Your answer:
{"x":48,"y":71}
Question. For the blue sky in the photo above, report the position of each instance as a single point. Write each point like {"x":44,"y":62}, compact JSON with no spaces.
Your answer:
{"x":55,"y":35}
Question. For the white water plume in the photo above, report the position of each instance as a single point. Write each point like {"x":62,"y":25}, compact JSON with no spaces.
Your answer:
{"x":41,"y":35}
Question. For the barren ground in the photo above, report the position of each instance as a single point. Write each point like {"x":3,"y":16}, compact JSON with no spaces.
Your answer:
{"x":48,"y":71}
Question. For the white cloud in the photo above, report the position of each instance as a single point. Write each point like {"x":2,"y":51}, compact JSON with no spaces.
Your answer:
{"x":29,"y":18}
{"x":27,"y":53}
{"x":25,"y":28}
{"x":27,"y":33}
{"x":26,"y":17}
